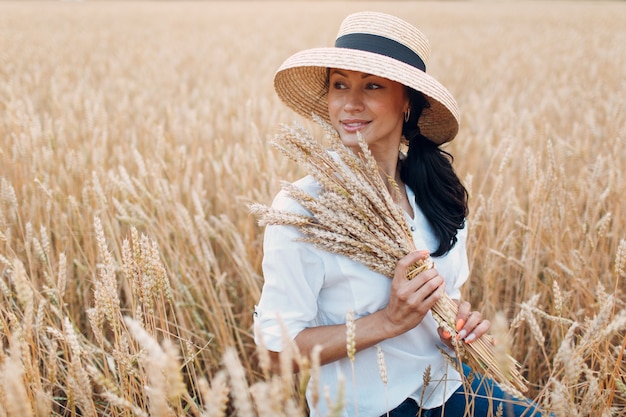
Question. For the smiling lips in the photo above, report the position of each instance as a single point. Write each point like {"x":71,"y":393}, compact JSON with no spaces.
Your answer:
{"x":353,"y":125}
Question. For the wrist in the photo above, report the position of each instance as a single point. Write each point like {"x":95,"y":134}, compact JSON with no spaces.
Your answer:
{"x":387,"y":326}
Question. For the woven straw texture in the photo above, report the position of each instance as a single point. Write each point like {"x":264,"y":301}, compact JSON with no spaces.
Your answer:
{"x":301,"y":81}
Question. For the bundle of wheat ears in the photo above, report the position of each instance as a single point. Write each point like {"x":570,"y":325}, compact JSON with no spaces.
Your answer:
{"x":356,"y":216}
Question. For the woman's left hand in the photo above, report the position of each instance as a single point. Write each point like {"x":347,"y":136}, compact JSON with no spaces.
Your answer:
{"x":470,"y":325}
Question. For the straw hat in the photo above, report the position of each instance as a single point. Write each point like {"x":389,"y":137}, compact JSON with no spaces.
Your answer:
{"x":377,"y":44}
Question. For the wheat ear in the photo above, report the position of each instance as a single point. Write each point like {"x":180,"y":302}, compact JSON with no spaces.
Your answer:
{"x":354,"y":215}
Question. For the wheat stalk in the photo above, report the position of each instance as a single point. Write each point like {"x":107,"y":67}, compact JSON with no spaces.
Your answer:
{"x":354,"y":215}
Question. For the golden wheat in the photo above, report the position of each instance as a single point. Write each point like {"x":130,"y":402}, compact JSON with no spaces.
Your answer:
{"x":355,"y":216}
{"x":156,"y":116}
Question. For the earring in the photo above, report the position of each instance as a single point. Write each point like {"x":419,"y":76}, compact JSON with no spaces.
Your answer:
{"x":407,"y":115}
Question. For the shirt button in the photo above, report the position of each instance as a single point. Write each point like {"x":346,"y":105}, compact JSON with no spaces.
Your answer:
{"x":412,"y":228}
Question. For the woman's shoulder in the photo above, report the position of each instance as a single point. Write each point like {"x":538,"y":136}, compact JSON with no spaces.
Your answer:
{"x":284,"y":201}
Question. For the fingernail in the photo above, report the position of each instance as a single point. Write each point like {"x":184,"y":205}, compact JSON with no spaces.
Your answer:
{"x":460,"y":335}
{"x":459,"y":324}
{"x":446,"y":334}
{"x":470,"y":338}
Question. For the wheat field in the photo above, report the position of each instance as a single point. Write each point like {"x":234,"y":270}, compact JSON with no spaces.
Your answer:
{"x":134,"y":135}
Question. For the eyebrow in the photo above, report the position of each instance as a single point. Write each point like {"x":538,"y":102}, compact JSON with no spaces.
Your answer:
{"x":342,"y":73}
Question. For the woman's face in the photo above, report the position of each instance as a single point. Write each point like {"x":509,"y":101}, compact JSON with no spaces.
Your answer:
{"x":369,"y":104}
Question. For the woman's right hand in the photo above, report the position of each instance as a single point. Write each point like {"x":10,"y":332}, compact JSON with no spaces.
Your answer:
{"x":410,"y":300}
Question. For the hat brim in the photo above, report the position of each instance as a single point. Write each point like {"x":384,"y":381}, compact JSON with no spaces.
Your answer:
{"x":301,"y":82}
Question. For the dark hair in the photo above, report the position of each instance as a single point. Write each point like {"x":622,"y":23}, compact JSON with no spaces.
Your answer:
{"x":427,"y":170}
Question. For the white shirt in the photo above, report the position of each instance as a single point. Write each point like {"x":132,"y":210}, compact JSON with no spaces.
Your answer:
{"x":307,"y":287}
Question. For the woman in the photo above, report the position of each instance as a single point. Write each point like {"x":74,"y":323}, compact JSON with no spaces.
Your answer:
{"x":374,"y":82}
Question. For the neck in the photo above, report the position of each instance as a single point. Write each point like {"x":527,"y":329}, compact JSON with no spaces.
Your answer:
{"x":388,"y":164}
{"x":389,"y":168}
{"x":391,"y":176}
{"x":387,"y":159}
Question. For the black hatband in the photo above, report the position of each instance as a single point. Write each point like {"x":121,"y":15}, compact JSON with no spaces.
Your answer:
{"x":381,"y":45}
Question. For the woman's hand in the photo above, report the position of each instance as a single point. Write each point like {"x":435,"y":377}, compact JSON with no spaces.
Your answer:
{"x":410,"y":300}
{"x":470,"y":325}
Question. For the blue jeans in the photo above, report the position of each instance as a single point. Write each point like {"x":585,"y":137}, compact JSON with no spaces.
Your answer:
{"x":482,"y":400}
